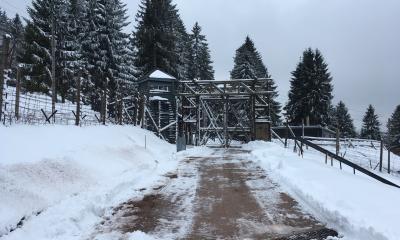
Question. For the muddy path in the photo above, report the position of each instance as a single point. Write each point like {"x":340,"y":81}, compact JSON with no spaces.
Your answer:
{"x":222,"y":196}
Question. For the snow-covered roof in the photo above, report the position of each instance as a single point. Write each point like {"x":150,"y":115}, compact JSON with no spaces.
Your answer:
{"x":160,"y":74}
{"x":157,"y":98}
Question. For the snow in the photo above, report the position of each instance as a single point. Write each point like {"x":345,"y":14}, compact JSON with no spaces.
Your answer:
{"x":32,"y":103}
{"x":160,"y":74}
{"x":357,"y":206}
{"x":157,"y":98}
{"x":63,"y":179}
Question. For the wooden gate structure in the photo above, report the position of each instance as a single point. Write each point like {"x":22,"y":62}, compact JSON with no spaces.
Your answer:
{"x":223,"y":111}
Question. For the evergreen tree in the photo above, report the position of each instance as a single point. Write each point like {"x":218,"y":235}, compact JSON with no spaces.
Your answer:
{"x":74,"y":63}
{"x":394,"y":125}
{"x":274,"y":107}
{"x":159,"y":39}
{"x":248,"y":64}
{"x":105,"y":51}
{"x":200,"y":64}
{"x":310,"y":93}
{"x":343,"y":121}
{"x":17,"y":37}
{"x":45,"y":16}
{"x":371,"y":125}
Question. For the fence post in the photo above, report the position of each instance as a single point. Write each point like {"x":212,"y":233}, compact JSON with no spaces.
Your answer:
{"x":120,"y":107}
{"x":286,"y":133}
{"x":17,"y":93}
{"x":381,"y":157}
{"x":3,"y":63}
{"x":78,"y":99}
{"x":389,"y":144}
{"x":337,"y":141}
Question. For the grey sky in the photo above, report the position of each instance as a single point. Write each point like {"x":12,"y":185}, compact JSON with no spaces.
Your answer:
{"x":360,"y":40}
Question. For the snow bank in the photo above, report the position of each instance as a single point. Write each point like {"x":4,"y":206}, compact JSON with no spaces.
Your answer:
{"x":358,"y":206}
{"x":60,"y":180}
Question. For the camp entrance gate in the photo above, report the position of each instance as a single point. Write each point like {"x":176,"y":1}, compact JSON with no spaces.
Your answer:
{"x":222,"y":112}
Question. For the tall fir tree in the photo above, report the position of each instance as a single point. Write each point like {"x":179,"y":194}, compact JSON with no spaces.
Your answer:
{"x":105,"y":52}
{"x":371,"y":125}
{"x":160,"y":39}
{"x":310,"y":92}
{"x":343,"y":121}
{"x":274,"y":107}
{"x":17,"y":38}
{"x":37,"y":58}
{"x":200,"y":64}
{"x":393,"y":126}
{"x":248,"y":64}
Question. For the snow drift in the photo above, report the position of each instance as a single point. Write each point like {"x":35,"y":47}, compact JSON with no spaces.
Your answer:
{"x":58,"y":181}
{"x":357,"y":206}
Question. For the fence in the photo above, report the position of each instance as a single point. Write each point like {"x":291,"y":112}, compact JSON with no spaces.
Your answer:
{"x":35,"y":108}
{"x":357,"y":152}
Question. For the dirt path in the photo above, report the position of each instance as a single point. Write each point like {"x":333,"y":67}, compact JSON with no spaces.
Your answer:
{"x":224,"y":196}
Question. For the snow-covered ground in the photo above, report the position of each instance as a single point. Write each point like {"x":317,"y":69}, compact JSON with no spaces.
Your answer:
{"x":359,"y":207}
{"x":31,"y":105}
{"x":59,"y":181}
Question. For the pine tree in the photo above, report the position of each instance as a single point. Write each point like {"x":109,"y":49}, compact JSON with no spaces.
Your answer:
{"x":156,"y":38}
{"x":343,"y":121}
{"x":17,"y":37}
{"x":371,"y":125}
{"x":310,"y":93}
{"x":248,"y":62}
{"x":37,"y":58}
{"x":394,"y":125}
{"x":106,"y":52}
{"x":274,"y":107}
{"x":72,"y":49}
{"x":200,"y":64}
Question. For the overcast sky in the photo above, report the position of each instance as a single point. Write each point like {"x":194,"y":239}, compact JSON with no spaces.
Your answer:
{"x":360,"y":40}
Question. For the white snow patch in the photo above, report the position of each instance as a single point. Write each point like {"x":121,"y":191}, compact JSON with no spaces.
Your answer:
{"x":157,"y":98}
{"x":73,"y":176}
{"x":160,"y":74}
{"x":357,"y":206}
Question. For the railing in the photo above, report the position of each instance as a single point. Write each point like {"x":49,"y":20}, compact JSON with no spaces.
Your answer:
{"x":328,"y":153}
{"x":346,"y":162}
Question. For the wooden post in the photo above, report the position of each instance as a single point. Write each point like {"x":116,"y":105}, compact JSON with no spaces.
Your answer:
{"x":389,"y":159}
{"x":17,"y":93}
{"x":389,"y":144}
{"x":226,"y":122}
{"x":120,"y":110}
{"x":78,"y":99}
{"x":381,"y":157}
{"x":3,"y":63}
{"x":53,"y":64}
{"x":286,"y":133}
{"x":337,"y":141}
{"x":103,"y":107}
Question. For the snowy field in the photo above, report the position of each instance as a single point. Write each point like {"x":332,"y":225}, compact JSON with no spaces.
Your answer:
{"x":57,"y":182}
{"x":359,"y":207}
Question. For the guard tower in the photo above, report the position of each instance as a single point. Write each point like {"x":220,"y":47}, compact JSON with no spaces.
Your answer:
{"x":159,"y":91}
